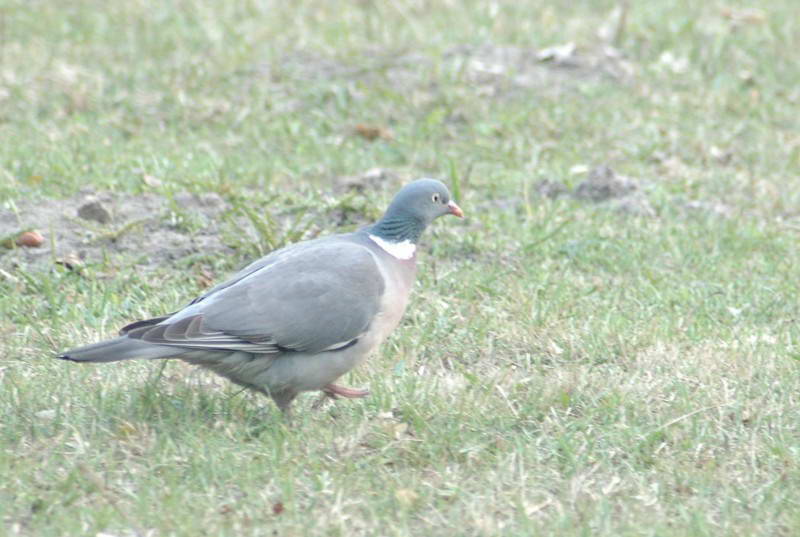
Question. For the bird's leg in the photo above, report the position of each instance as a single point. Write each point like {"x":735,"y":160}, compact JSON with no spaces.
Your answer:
{"x":284,"y":401}
{"x":332,"y":391}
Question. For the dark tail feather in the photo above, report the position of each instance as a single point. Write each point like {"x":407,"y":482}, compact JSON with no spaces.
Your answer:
{"x":121,"y":348}
{"x":147,"y":322}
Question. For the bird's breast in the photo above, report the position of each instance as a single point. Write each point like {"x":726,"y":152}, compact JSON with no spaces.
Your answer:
{"x":399,"y":281}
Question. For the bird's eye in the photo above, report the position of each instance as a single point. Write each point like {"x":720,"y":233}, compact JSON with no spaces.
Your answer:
{"x":435,"y":198}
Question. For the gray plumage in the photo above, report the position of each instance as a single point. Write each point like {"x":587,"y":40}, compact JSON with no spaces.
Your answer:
{"x":300,"y":317}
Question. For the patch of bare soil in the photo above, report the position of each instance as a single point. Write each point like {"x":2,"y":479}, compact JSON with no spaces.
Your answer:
{"x":626,"y":195}
{"x":372,"y":179}
{"x":92,"y":226}
{"x":603,"y":185}
{"x":153,"y":230}
{"x":493,"y":70}
{"x":500,"y":69}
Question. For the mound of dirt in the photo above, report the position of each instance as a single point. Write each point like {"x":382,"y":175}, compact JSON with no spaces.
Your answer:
{"x":605,"y":186}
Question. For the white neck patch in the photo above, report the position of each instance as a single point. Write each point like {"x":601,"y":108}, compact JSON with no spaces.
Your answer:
{"x":399,"y":250}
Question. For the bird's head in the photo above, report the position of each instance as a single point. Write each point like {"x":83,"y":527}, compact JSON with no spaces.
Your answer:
{"x":413,"y":208}
{"x":424,"y":200}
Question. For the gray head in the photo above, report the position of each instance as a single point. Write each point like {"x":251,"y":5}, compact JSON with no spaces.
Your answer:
{"x":416,"y":205}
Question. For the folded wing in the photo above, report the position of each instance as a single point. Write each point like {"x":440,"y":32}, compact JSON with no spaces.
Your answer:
{"x":315,"y":297}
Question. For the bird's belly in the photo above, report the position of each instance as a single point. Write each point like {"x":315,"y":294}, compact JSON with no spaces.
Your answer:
{"x":298,"y":371}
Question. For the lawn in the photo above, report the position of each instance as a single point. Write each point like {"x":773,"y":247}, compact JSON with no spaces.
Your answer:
{"x":606,"y":345}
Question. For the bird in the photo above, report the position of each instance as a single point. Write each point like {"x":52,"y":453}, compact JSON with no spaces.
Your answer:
{"x":300,"y":317}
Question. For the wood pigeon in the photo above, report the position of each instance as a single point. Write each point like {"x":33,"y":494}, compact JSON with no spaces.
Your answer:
{"x":302,"y":316}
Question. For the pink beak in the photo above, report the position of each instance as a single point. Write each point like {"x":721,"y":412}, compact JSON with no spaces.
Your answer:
{"x":455,"y":209}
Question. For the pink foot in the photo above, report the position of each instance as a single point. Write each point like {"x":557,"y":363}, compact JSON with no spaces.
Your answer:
{"x":350,"y":393}
{"x":332,"y":391}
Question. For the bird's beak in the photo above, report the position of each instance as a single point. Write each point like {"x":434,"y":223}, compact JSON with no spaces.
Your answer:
{"x":455,"y":209}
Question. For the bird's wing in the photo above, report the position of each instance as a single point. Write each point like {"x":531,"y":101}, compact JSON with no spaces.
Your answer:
{"x":311,"y":297}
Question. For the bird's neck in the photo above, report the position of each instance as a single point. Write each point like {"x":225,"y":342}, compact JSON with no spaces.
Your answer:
{"x":398,"y":228}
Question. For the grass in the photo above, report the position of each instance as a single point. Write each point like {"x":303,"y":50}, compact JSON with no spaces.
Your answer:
{"x":564,"y":368}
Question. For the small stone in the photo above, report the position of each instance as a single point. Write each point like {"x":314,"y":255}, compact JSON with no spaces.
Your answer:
{"x":96,"y":211}
{"x":30,"y":239}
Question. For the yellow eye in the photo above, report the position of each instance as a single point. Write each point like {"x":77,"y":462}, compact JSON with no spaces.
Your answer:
{"x":435,"y":198}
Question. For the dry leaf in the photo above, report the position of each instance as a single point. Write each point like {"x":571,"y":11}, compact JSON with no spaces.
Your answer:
{"x":126,"y":429}
{"x":225,"y":509}
{"x":747,"y":15}
{"x":71,"y":261}
{"x":406,"y":497}
{"x":151,"y":181}
{"x":373,"y":132}
{"x":278,"y":508}
{"x":399,"y":430}
{"x":205,"y":278}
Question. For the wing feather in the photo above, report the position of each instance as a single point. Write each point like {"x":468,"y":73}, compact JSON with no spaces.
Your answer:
{"x":313,"y":297}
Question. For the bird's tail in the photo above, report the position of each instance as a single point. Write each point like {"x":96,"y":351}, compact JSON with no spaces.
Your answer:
{"x":121,"y":348}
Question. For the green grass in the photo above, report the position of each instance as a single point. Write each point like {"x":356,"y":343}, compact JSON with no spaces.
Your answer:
{"x":563,"y":369}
